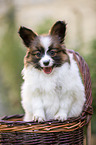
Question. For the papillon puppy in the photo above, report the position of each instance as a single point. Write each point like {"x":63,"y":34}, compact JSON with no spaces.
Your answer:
{"x":52,"y":87}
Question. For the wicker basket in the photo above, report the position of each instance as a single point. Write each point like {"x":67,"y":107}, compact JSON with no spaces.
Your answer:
{"x":13,"y":130}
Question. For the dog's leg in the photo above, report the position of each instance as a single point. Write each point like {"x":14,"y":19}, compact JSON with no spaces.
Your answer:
{"x":37,"y":109}
{"x":65,"y":103}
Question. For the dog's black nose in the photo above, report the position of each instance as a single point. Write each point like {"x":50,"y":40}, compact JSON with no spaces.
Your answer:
{"x":46,"y":63}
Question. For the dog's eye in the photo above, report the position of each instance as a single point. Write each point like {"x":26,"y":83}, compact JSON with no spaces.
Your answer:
{"x":38,"y":54}
{"x":52,"y":53}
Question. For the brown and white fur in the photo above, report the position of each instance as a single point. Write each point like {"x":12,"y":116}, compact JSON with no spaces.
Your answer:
{"x":52,"y":87}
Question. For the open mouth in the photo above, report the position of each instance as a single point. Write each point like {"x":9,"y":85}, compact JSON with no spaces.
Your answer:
{"x":47,"y":70}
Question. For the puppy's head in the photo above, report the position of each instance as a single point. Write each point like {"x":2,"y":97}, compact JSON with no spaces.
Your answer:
{"x":45,"y":52}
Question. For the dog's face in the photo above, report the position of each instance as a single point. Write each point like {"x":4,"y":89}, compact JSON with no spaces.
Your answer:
{"x":45,"y":52}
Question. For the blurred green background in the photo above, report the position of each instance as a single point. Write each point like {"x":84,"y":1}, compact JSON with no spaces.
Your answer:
{"x":39,"y":15}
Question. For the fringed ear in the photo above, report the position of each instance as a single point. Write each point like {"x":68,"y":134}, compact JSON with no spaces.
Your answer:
{"x":59,"y":30}
{"x":27,"y":35}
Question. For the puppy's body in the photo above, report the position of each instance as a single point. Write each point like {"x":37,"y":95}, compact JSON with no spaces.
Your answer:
{"x":52,"y":87}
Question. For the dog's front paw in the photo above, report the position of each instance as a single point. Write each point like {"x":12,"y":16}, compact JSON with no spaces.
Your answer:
{"x":38,"y":118}
{"x":61,"y":116}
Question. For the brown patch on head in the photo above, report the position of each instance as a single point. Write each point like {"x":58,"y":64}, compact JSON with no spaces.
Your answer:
{"x":65,"y":56}
{"x":59,"y":51}
{"x":27,"y":58}
{"x":34,"y":53}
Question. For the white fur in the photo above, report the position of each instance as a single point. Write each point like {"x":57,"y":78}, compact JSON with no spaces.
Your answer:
{"x":46,"y":42}
{"x":57,"y":95}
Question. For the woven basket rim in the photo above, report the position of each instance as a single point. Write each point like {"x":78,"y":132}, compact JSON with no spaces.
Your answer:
{"x":43,"y":127}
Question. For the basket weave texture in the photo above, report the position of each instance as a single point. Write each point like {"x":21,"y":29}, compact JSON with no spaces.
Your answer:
{"x":13,"y":130}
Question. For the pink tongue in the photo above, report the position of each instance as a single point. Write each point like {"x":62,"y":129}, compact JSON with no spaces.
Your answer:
{"x":47,"y":70}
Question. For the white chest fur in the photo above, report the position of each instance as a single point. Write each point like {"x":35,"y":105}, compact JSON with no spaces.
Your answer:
{"x":58,"y":95}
